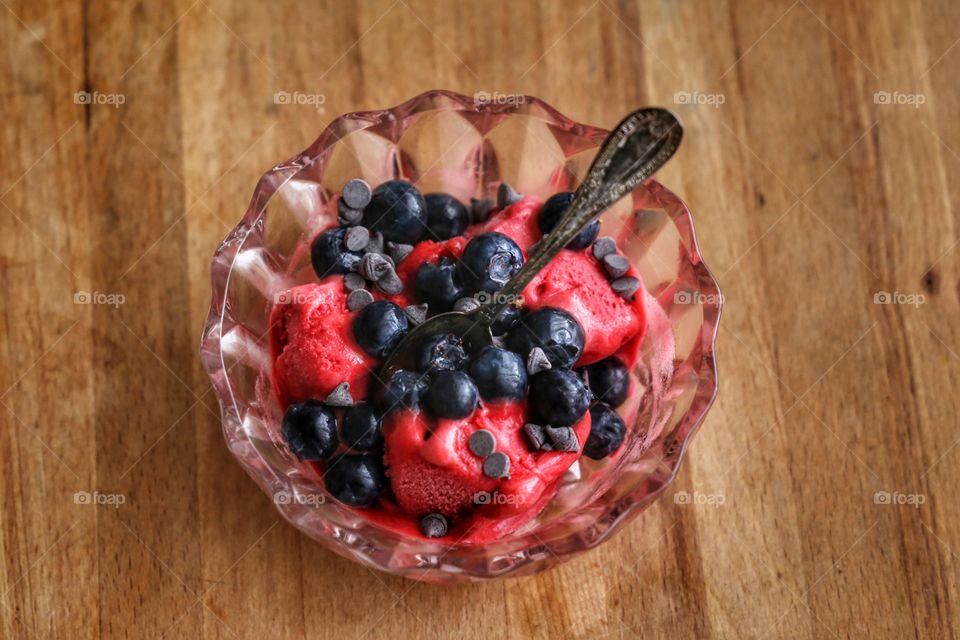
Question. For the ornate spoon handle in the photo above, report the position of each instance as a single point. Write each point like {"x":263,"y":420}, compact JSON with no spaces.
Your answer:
{"x":634,"y":150}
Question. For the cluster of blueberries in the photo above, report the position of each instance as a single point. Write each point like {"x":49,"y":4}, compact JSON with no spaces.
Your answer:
{"x":533,"y":355}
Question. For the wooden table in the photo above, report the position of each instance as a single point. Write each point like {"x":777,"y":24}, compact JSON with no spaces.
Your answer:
{"x":822,"y":160}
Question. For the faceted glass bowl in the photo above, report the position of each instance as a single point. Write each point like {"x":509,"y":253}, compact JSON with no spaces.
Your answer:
{"x":465,"y":146}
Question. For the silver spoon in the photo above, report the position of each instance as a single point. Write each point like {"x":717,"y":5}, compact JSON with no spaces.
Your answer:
{"x":634,"y":150}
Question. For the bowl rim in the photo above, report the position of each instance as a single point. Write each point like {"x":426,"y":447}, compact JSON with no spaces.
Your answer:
{"x":277,"y":176}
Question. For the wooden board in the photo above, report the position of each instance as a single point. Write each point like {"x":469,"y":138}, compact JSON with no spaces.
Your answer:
{"x":822,"y":161}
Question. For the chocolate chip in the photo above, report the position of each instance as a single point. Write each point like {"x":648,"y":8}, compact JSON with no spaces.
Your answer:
{"x":354,"y":281}
{"x":562,"y":439}
{"x":398,"y":251}
{"x":625,"y":287}
{"x":537,"y":361}
{"x":357,"y":193}
{"x":536,"y":435}
{"x":416,"y":313}
{"x":376,"y":243}
{"x":359,"y":299}
{"x":603,"y":247}
{"x":506,"y":195}
{"x":347,"y":216}
{"x":466,"y":305}
{"x":374,"y":266}
{"x":434,"y":525}
{"x":356,"y":238}
{"x":340,"y":397}
{"x":482,"y":443}
{"x":390,"y":283}
{"x":616,"y":265}
{"x":497,"y":465}
{"x":480,"y":209}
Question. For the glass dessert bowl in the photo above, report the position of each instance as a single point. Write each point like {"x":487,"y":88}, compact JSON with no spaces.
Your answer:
{"x":466,"y":147}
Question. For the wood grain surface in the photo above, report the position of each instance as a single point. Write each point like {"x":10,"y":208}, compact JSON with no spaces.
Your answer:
{"x":821,"y":160}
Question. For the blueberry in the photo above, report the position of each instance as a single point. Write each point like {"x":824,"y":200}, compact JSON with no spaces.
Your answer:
{"x":437,"y":285}
{"x":330,"y":256}
{"x":499,"y":374}
{"x":356,"y":481}
{"x":607,"y":432}
{"x":559,"y":397}
{"x":446,"y":216}
{"x":398,"y":211}
{"x":609,"y":381}
{"x":379,"y":326}
{"x":554,"y":330}
{"x":361,"y":427}
{"x":507,"y":318}
{"x":488,"y":261}
{"x":452,"y":395}
{"x":554,"y":208}
{"x":310,"y":430}
{"x":404,"y":390}
{"x":442,"y":352}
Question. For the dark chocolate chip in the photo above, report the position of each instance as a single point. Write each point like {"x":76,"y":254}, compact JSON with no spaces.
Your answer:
{"x":359,"y":299}
{"x":482,"y":443}
{"x":398,"y":251}
{"x":416,"y":313}
{"x":354,"y":281}
{"x":506,"y":195}
{"x":434,"y":525}
{"x":626,"y":287}
{"x":340,"y":397}
{"x":480,"y":209}
{"x":374,"y":266}
{"x":616,"y":265}
{"x":357,"y":193}
{"x":356,"y":238}
{"x":347,"y":216}
{"x":537,"y":361}
{"x":390,"y":283}
{"x":562,"y":439}
{"x":536,"y":435}
{"x":497,"y":465}
{"x":603,"y":247}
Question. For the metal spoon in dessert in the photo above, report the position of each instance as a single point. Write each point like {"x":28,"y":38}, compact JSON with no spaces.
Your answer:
{"x":634,"y":150}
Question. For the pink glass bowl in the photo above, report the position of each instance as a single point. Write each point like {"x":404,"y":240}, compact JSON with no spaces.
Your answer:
{"x":465,"y":146}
